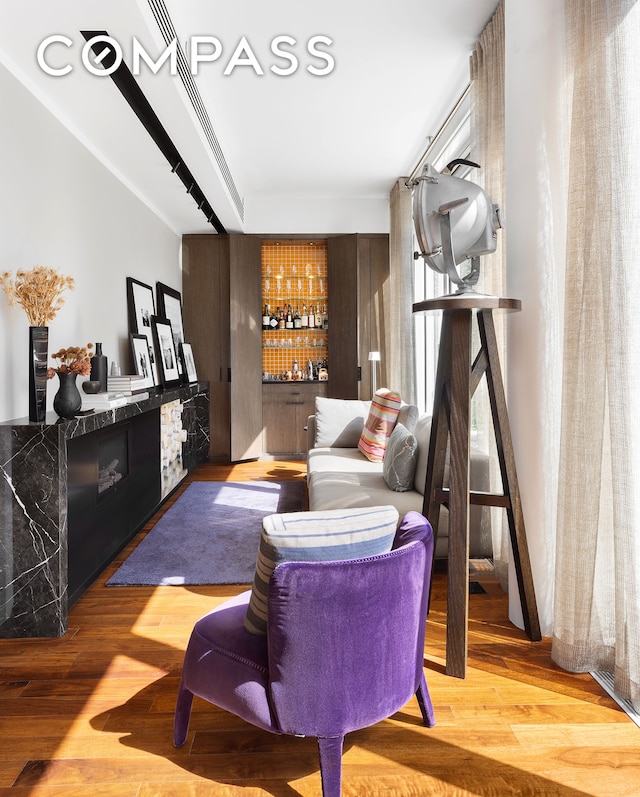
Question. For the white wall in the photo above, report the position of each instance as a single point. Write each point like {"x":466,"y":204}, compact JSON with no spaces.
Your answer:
{"x":535,"y":219}
{"x":60,"y":207}
{"x":280,"y":215}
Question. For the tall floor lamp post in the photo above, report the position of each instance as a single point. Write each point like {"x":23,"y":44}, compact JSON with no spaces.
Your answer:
{"x":374,"y":358}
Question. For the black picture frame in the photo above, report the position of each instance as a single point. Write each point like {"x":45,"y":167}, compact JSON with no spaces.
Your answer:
{"x":142,"y":309}
{"x":166,"y":354}
{"x":170,"y":307}
{"x":188,"y":363}
{"x":142,"y":364}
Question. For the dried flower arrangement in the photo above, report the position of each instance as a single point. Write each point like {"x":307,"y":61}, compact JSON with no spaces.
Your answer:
{"x":38,"y":291}
{"x":74,"y":359}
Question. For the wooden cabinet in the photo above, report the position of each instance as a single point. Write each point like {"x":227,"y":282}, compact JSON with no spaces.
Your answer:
{"x":358,"y":274}
{"x":222,"y":321}
{"x":285,"y":409}
{"x":222,"y":305}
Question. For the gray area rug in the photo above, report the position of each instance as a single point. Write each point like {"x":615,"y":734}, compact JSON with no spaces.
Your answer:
{"x":210,"y":535}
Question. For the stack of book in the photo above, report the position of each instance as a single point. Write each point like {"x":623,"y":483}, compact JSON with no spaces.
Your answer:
{"x":121,"y":390}
{"x":127,"y":384}
{"x":104,"y":401}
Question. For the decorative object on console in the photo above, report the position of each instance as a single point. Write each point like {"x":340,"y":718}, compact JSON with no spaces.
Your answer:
{"x":126,"y":384}
{"x":142,"y":308}
{"x":166,"y":356}
{"x":142,"y":359}
{"x":91,"y":386}
{"x":39,"y":292}
{"x":67,"y":402}
{"x":38,"y":355}
{"x":74,"y":361}
{"x":189,"y":364}
{"x":99,"y":368}
{"x":170,"y":307}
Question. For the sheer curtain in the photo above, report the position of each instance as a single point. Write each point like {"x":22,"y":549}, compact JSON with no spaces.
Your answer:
{"x":597,"y":581}
{"x":488,"y":149}
{"x":400,"y":345}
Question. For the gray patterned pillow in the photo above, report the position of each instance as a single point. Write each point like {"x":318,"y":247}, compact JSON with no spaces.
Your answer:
{"x":401,"y":456}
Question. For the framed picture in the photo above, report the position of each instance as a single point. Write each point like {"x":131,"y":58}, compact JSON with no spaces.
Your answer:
{"x":142,"y":309}
{"x":166,"y":355}
{"x":188,"y":363}
{"x":170,"y":307}
{"x":142,"y":359}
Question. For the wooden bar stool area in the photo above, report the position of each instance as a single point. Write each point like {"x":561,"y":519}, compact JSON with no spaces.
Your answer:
{"x":456,"y":381}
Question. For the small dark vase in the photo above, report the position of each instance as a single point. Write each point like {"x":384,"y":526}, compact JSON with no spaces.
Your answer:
{"x":67,"y":402}
{"x":99,"y":368}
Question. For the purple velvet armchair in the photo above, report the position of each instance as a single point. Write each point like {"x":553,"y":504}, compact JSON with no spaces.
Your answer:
{"x":344,"y":649}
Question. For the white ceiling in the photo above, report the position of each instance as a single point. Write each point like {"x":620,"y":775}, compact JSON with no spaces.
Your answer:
{"x":399,"y":68}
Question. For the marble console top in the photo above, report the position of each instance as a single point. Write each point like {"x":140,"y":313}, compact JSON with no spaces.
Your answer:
{"x":83,"y":424}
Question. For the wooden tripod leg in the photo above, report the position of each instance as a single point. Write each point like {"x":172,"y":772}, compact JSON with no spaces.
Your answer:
{"x":458,"y":558}
{"x":519,"y":547}
{"x":439,"y":431}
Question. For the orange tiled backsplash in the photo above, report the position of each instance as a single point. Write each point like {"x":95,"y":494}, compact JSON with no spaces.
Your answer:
{"x":293,"y":273}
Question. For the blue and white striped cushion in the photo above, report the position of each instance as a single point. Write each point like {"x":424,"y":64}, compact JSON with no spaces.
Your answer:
{"x":330,"y":535}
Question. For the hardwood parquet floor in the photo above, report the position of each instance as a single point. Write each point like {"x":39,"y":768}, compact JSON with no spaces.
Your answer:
{"x":90,"y":714}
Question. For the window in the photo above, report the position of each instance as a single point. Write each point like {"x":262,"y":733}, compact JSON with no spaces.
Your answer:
{"x":452,"y":141}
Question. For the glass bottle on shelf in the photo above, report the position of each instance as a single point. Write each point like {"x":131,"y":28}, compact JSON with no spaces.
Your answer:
{"x":265,"y":317}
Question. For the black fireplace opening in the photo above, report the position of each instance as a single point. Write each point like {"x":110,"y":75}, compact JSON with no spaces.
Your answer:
{"x":113,"y":460}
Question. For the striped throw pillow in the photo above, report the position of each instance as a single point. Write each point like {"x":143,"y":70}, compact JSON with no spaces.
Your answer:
{"x":382,"y":417}
{"x":330,"y":535}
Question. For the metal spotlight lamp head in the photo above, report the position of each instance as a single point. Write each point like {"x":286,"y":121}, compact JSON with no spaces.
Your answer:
{"x":455,"y":222}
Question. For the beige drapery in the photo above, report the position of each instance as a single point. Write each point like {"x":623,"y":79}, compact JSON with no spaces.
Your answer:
{"x":597,"y":580}
{"x":400,"y":341}
{"x":488,"y":150}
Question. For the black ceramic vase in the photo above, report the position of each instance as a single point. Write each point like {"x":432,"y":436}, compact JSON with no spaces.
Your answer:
{"x":38,"y":353}
{"x":67,"y":402}
{"x":99,"y":368}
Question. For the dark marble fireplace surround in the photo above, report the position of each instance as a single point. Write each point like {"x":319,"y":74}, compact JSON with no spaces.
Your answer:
{"x":34,"y":502}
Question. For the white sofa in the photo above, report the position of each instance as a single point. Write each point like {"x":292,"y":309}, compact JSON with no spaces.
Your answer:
{"x":339,"y":476}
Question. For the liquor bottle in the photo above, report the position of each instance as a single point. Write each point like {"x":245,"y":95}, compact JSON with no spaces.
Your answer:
{"x":304,"y":318}
{"x":311,"y":322}
{"x":318,"y":318}
{"x":265,"y":317}
{"x":288,"y":324}
{"x":325,"y":317}
{"x":297,"y":323}
{"x":273,"y":321}
{"x":295,"y":369}
{"x":309,"y":370}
